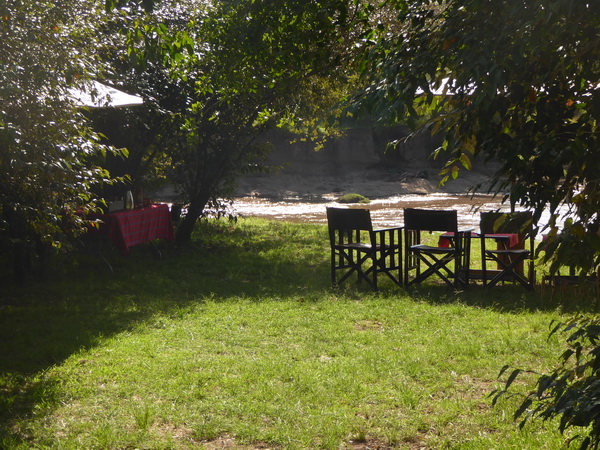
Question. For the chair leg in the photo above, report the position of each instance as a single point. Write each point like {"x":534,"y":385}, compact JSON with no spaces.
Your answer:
{"x":352,"y":263}
{"x":509,"y":269}
{"x":388,"y":261}
{"x":483,"y":266}
{"x":333,"y":269}
{"x":434,"y":267}
{"x":374,"y":266}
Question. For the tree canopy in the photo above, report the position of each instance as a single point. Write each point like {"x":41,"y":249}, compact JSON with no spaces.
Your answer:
{"x":221,"y":73}
{"x":522,"y":87}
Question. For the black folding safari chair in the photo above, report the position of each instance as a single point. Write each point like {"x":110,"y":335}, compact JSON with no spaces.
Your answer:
{"x":449,"y":262}
{"x":357,"y":248}
{"x":514,"y":252}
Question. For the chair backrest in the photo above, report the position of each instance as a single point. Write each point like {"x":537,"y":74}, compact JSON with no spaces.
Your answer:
{"x":430,"y":219}
{"x":497,"y":222}
{"x":345,"y":219}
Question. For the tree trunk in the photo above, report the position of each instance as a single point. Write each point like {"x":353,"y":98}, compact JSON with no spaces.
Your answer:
{"x":187,"y":224}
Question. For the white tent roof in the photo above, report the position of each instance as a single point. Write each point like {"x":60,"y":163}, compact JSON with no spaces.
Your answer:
{"x":98,"y":95}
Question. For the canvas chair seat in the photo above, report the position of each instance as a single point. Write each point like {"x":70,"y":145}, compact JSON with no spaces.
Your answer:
{"x":432,"y":249}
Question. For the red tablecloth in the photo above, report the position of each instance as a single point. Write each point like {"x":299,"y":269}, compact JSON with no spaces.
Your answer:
{"x":137,"y":226}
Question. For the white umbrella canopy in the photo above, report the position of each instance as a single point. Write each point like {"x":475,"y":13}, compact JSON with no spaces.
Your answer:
{"x":98,"y":95}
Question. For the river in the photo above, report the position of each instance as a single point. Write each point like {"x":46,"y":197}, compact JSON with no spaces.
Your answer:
{"x":385,"y":212}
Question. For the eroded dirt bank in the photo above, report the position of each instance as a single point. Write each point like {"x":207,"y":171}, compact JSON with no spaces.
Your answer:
{"x":358,"y":162}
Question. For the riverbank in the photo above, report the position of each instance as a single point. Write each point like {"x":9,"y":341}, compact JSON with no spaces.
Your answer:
{"x":361,"y":162}
{"x":385,"y":212}
{"x":373,"y":183}
{"x":303,"y":189}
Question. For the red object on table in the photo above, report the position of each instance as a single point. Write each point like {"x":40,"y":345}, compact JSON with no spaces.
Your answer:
{"x":137,"y":226}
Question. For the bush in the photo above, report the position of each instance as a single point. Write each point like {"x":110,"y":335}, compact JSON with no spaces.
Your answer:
{"x":353,"y":198}
{"x":572,"y":390}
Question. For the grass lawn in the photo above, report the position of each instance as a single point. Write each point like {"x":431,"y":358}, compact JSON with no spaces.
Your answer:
{"x":238,"y":341}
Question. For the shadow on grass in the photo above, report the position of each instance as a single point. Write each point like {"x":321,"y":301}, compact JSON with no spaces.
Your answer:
{"x":82,"y":303}
{"x":505,"y":298}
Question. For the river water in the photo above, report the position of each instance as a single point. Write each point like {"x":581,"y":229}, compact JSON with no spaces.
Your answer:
{"x":385,"y":212}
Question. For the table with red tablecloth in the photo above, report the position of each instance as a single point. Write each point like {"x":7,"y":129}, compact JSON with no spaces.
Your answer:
{"x":504,"y":241}
{"x":136,"y":226}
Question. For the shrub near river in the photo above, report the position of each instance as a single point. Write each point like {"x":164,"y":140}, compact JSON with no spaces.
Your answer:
{"x":353,"y":198}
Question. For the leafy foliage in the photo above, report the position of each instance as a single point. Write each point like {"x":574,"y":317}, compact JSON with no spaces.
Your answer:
{"x":46,"y":146}
{"x":519,"y":84}
{"x":572,"y":390}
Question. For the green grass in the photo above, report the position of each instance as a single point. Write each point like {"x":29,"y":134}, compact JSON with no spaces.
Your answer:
{"x":238,"y":340}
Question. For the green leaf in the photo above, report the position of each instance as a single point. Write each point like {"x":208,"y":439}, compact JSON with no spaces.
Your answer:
{"x":455,"y":170}
{"x":466,"y":161}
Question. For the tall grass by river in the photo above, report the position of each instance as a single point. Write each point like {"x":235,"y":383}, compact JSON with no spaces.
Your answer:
{"x":239,"y":341}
